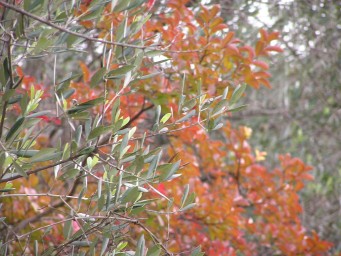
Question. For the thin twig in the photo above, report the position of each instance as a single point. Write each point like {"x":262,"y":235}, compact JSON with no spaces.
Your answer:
{"x":11,"y":83}
{"x":89,"y":38}
{"x":41,"y":168}
{"x":43,"y":194}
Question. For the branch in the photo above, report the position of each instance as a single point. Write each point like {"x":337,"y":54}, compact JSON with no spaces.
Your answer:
{"x":50,"y":24}
{"x":138,"y":223}
{"x":143,"y":109}
{"x":41,"y":168}
{"x":89,"y":38}
{"x":11,"y":83}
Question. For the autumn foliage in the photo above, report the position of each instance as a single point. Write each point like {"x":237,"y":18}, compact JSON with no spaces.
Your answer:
{"x":190,"y":81}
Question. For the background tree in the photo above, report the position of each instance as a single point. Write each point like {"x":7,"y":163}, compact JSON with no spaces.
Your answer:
{"x":300,"y":114}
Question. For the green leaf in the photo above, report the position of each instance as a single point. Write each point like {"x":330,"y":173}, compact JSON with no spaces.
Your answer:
{"x":68,"y":93}
{"x":14,"y":99}
{"x":46,"y":155}
{"x":197,"y":252}
{"x":99,"y":188}
{"x":167,"y":170}
{"x":105,"y":243}
{"x":42,"y":44}
{"x":154,"y":53}
{"x":97,"y":77}
{"x":121,"y":246}
{"x":15,"y":128}
{"x":184,"y":196}
{"x":238,"y":108}
{"x":93,"y":102}
{"x":100,"y":130}
{"x":226,"y":91}
{"x":187,"y":116}
{"x":124,"y":145}
{"x":8,"y":187}
{"x":8,"y":94}
{"x":137,"y":25}
{"x":40,"y":113}
{"x":36,"y":248}
{"x":67,"y":229}
{"x":188,"y":105}
{"x":30,"y":5}
{"x":218,"y":126}
{"x":119,"y":72}
{"x":149,"y":76}
{"x":220,"y":107}
{"x":85,"y":105}
{"x":84,"y":243}
{"x":127,"y":5}
{"x":95,"y":13}
{"x":69,"y":174}
{"x":140,"y":250}
{"x":130,"y":195}
{"x":187,"y":207}
{"x":20,"y":170}
{"x":154,"y":251}
{"x":70,"y":76}
{"x":237,"y":94}
{"x":165,"y":118}
{"x":25,"y":153}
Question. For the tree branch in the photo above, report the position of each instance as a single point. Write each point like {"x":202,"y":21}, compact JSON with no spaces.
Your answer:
{"x":41,"y":168}
{"x":89,"y":38}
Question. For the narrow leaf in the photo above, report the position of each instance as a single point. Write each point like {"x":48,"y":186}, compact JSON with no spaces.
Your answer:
{"x":15,"y":127}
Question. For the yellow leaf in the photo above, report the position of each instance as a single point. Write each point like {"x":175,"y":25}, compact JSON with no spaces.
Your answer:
{"x":260,"y":155}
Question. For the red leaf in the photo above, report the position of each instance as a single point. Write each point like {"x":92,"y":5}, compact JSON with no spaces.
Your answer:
{"x":260,"y":64}
{"x":273,"y":49}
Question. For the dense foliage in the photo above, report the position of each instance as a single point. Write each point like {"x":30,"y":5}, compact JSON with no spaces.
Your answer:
{"x":301,"y":113}
{"x":116,"y":139}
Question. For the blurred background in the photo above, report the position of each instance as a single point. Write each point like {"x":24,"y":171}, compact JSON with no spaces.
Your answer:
{"x":301,"y":114}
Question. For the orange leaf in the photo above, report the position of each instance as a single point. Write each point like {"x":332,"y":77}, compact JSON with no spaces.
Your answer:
{"x":273,"y":36}
{"x":228,"y":37}
{"x":86,"y":72}
{"x":250,"y":51}
{"x":264,"y":35}
{"x":259,"y":47}
{"x":260,"y":64}
{"x":264,"y":82}
{"x":262,"y":74}
{"x":233,"y":49}
{"x":273,"y":49}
